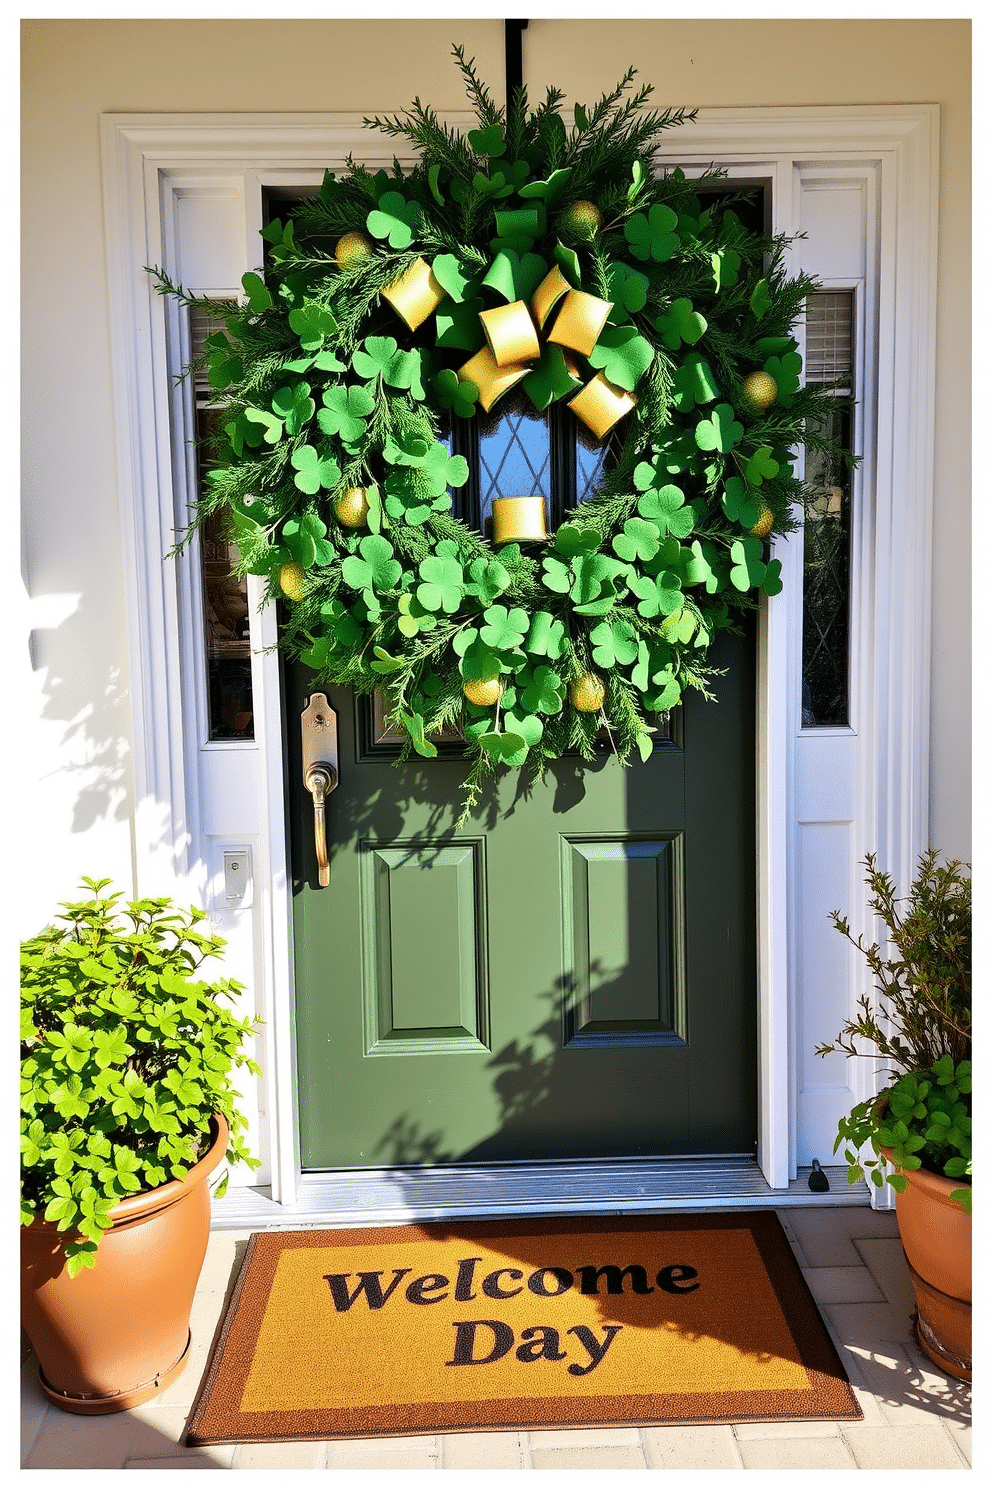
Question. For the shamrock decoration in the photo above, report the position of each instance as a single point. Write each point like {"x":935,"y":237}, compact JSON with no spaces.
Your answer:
{"x":343,"y":421}
{"x":395,"y":219}
{"x":651,"y":235}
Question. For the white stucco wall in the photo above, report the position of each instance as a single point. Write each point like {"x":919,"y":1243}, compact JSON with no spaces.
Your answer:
{"x":75,"y":729}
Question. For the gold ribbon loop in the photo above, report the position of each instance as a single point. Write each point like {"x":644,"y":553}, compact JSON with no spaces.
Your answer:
{"x":510,"y":334}
{"x":416,"y":294}
{"x":491,"y":379}
{"x":579,"y":321}
{"x":600,"y":405}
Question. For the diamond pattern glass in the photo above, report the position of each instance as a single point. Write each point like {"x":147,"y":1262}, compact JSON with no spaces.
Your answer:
{"x":514,"y":457}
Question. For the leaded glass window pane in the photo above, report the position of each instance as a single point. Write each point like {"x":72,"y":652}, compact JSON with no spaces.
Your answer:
{"x":827,"y":535}
{"x":592,"y":460}
{"x":514,"y":456}
{"x":230,"y":710}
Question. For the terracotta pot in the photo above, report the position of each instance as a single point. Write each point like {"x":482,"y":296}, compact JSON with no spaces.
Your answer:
{"x":936,"y":1236}
{"x":117,"y":1334}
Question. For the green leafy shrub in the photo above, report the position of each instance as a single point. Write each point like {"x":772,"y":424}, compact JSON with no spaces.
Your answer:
{"x":125,"y":1058}
{"x":921,"y":1025}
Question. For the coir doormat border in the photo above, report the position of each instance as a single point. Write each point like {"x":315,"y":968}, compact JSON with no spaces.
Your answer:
{"x":218,"y":1418}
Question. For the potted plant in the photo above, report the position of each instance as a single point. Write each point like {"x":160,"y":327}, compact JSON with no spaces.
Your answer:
{"x":919,"y":1126}
{"x":127,"y":1109}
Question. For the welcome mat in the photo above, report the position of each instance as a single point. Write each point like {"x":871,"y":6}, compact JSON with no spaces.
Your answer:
{"x":526,"y":1323}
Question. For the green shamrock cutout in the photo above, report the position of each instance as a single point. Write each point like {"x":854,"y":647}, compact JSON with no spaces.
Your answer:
{"x":720,"y":431}
{"x":546,"y":636}
{"x":726,"y":267}
{"x":507,"y":748}
{"x":377,"y":569}
{"x":786,"y":370}
{"x":652,"y":661}
{"x":395,"y":219}
{"x":489,"y":141}
{"x":748,"y":566}
{"x":550,"y":378}
{"x":515,"y":277}
{"x":376,"y":358}
{"x":411,"y":495}
{"x":548,"y":190}
{"x":414,"y":726}
{"x":314,"y":471}
{"x":456,"y":393}
{"x":761,"y":467}
{"x":281,"y":240}
{"x":487,"y":579}
{"x":568,"y":261}
{"x":345,"y":411}
{"x":294,"y":406}
{"x":344,"y":628}
{"x":761,"y":300}
{"x":572,"y":539}
{"x":623,"y":354}
{"x":224,"y":365}
{"x":271,"y":427}
{"x":478,"y":663}
{"x":697,"y":567}
{"x":413,"y":618}
{"x":406,"y":447}
{"x":306,"y":539}
{"x":680,"y":323}
{"x":244,"y":431}
{"x":658,"y":594}
{"x":544,"y":692}
{"x":381,"y":357}
{"x":450,"y":273}
{"x":259,"y":298}
{"x":504,"y":629}
{"x":639,"y":540}
{"x":443,"y":584}
{"x":529,"y":727}
{"x":665,"y":695}
{"x":614,"y":643}
{"x":444,"y":469}
{"x":458,"y":326}
{"x":628,"y":289}
{"x":666,"y":509}
{"x":772,"y":581}
{"x":592,"y":589}
{"x":312,"y":323}
{"x":694,"y":383}
{"x":740,"y":503}
{"x":651,"y":235}
{"x":680,"y":627}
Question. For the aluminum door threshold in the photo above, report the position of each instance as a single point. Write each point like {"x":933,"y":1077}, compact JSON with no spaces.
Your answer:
{"x":364,"y":1196}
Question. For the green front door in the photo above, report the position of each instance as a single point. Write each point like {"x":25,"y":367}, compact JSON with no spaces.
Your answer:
{"x":570,"y":975}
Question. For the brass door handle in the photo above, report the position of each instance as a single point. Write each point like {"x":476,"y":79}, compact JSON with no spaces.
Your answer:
{"x":319,"y":732}
{"x":320,"y":782}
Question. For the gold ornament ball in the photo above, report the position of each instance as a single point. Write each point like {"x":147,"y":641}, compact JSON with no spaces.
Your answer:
{"x":759,"y":391}
{"x":586,"y":693}
{"x":764,"y":524}
{"x":483,"y":691}
{"x":582,"y":217}
{"x":351,"y":249}
{"x":292,"y":580}
{"x":352,"y":507}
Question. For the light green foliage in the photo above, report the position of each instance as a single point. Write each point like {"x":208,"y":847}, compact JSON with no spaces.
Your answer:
{"x":125,"y":1058}
{"x":918,"y":1021}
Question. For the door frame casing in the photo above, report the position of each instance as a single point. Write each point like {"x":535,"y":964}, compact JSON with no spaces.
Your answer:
{"x":158,"y":168}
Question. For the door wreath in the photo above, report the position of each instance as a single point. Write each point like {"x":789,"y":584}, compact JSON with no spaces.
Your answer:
{"x":393,"y":305}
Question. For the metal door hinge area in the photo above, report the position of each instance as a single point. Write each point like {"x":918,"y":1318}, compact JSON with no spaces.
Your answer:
{"x":319,"y":735}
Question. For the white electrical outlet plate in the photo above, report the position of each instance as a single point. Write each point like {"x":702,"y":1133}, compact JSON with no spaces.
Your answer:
{"x":237,"y":878}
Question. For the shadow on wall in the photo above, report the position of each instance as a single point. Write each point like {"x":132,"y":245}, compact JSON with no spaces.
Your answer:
{"x":84,"y":711}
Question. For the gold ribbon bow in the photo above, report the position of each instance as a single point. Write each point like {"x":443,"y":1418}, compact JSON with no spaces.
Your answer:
{"x":512,"y":341}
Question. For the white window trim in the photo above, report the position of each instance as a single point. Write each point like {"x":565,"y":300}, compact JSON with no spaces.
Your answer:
{"x":147,"y":157}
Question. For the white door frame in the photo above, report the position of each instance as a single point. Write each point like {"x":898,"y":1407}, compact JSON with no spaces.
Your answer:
{"x":173,"y":180}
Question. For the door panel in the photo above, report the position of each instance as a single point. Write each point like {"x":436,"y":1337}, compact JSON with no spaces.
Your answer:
{"x":569,"y":975}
